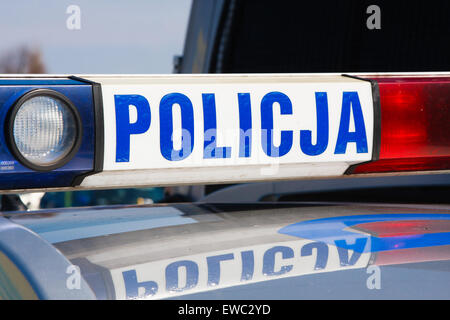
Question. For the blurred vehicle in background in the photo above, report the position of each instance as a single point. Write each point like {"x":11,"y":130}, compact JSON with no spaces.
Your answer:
{"x":238,"y":36}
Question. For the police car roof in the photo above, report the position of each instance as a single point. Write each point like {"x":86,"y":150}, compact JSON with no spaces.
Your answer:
{"x":234,"y":250}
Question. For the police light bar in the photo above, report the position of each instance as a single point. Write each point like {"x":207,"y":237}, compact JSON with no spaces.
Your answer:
{"x":110,"y":131}
{"x":414,"y":124}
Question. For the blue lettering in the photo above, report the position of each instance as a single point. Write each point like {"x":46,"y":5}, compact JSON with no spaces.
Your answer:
{"x":132,"y":285}
{"x":322,"y":128}
{"x":214,"y":267}
{"x":248,"y":265}
{"x":343,"y":248}
{"x":124,"y":129}
{"x":166,"y":126}
{"x":351,"y":100}
{"x":269,"y":260}
{"x":245,"y":124}
{"x":267,"y":124}
{"x":322,"y":253}
{"x":210,"y":130}
{"x":172,"y":281}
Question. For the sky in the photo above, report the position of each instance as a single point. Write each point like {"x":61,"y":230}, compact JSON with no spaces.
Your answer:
{"x":136,"y":36}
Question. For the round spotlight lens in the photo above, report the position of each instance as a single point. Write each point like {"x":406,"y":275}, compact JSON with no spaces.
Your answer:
{"x":44,"y":130}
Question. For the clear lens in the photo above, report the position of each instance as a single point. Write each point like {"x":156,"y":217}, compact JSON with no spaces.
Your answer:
{"x":44,"y":130}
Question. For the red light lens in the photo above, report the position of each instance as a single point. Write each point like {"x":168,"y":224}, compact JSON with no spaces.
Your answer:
{"x":415,"y":125}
